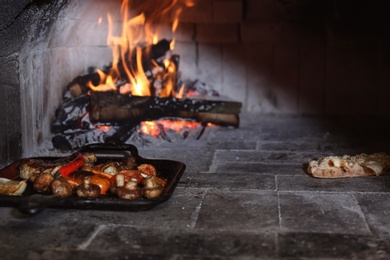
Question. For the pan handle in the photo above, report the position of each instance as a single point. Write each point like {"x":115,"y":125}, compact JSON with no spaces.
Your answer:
{"x":36,"y":203}
{"x":111,"y":147}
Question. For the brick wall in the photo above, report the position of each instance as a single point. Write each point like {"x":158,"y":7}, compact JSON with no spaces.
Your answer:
{"x":296,"y":57}
{"x":293,"y":56}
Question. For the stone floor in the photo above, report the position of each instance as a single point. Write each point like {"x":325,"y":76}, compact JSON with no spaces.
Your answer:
{"x":244,"y":195}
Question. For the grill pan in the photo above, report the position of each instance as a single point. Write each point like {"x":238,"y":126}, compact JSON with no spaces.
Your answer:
{"x":32,"y":202}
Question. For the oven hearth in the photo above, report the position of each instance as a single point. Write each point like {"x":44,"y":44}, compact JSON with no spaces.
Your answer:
{"x":98,"y":109}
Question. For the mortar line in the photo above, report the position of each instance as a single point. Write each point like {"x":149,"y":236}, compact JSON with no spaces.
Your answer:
{"x":279,"y":208}
{"x":195,"y":214}
{"x":362,"y":214}
{"x":214,"y":165}
{"x":88,"y":241}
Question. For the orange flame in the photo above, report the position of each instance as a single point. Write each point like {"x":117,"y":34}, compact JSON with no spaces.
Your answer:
{"x":155,"y":128}
{"x":138,"y":31}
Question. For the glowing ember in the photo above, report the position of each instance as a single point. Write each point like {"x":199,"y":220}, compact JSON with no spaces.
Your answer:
{"x":104,"y":128}
{"x":156,"y":128}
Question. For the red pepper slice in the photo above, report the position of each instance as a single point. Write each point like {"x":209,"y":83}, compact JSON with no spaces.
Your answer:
{"x":72,"y":166}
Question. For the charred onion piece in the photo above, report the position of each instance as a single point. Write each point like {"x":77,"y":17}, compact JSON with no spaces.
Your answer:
{"x":11,"y":187}
{"x":88,"y":189}
{"x":147,"y":170}
{"x":117,"y":181}
{"x":133,"y":175}
{"x":42,"y":181}
{"x":61,"y":187}
{"x":153,"y":187}
{"x":89,"y":159}
{"x":110,"y":168}
{"x":130,"y":191}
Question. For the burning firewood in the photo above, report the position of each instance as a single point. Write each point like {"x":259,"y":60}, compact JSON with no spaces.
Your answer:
{"x":90,"y":115}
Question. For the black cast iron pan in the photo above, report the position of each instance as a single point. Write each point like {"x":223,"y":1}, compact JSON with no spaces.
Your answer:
{"x":31,"y":202}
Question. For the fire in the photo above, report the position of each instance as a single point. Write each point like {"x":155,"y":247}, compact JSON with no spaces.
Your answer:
{"x":156,"y":128}
{"x":128,"y":49}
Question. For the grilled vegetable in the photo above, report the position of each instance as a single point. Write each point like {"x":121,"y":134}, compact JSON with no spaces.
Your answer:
{"x":102,"y":182}
{"x":42,"y":182}
{"x":61,"y":187}
{"x":88,"y":189}
{"x":11,"y":187}
{"x":153,"y":187}
{"x":72,"y":166}
{"x":147,"y":170}
{"x":110,"y":168}
{"x":130,"y":191}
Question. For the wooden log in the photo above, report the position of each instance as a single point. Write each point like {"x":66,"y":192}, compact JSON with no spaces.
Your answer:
{"x":112,"y":107}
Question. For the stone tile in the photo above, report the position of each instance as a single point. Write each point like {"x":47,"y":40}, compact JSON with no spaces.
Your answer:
{"x":308,"y":183}
{"x":321,"y":213}
{"x":331,"y":246}
{"x":177,"y":212}
{"x":175,"y":242}
{"x":29,"y":235}
{"x":264,"y":157}
{"x":259,"y":168}
{"x":239,"y":211}
{"x":46,"y":254}
{"x":231,"y":180}
{"x":376,"y":210}
{"x":247,"y":134}
{"x":196,"y":160}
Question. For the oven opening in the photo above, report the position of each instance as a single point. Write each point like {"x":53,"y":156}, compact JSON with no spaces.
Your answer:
{"x":278,"y":58}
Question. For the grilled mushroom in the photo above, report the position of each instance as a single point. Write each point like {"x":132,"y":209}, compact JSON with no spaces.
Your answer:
{"x":42,"y":181}
{"x":61,"y":187}
{"x":153,"y":187}
{"x":130,"y":191}
{"x":88,"y":189}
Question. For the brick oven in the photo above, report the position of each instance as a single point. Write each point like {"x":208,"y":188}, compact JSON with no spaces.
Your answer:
{"x":294,"y":57}
{"x":312,"y":78}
